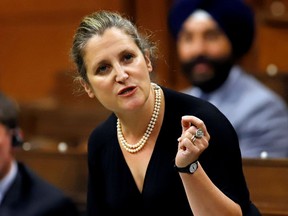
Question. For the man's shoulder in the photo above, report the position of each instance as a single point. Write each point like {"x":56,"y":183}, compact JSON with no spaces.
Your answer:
{"x":38,"y":195}
{"x":36,"y":184}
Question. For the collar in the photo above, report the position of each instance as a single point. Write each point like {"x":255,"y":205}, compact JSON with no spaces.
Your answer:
{"x":6,"y":182}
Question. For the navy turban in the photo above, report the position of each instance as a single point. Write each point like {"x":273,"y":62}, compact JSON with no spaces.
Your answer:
{"x":234,"y":17}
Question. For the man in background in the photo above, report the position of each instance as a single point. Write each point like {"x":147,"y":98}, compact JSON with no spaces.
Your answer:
{"x":211,"y":37}
{"x":22,"y":192}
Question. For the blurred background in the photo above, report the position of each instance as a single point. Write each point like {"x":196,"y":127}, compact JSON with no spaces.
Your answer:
{"x":35,"y":69}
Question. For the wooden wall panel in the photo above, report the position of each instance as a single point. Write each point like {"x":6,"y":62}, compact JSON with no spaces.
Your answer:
{"x":14,"y":7}
{"x":273,"y":47}
{"x":151,"y":15}
{"x":267,"y":182}
{"x":30,"y":58}
{"x":35,"y":41}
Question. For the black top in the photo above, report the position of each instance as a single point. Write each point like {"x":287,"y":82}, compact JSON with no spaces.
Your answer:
{"x":111,"y":187}
{"x":29,"y":195}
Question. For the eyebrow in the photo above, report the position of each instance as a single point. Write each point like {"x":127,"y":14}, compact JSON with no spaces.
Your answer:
{"x":121,"y":53}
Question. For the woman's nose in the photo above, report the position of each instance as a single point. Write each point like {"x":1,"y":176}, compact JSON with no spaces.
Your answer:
{"x":121,"y":74}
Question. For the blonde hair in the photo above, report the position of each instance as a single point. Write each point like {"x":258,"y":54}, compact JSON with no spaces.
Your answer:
{"x":96,"y":24}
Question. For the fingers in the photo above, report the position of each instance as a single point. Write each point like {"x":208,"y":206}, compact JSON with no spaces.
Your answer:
{"x":193,"y":141}
{"x":185,"y":123}
{"x":191,"y":124}
{"x":188,"y":121}
{"x":189,"y":140}
{"x":188,"y":152}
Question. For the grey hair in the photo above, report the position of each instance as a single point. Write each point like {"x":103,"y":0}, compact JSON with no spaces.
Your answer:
{"x":96,"y":24}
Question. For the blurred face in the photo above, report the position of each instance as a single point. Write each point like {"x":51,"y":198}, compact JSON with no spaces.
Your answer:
{"x":117,"y":71}
{"x":6,"y":157}
{"x":204,"y":50}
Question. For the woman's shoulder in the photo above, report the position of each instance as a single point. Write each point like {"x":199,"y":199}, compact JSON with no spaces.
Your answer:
{"x":102,"y":132}
{"x":188,"y":102}
{"x":181,"y":103}
{"x":108,"y":123}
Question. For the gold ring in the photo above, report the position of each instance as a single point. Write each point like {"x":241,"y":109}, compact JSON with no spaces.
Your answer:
{"x":193,"y":139}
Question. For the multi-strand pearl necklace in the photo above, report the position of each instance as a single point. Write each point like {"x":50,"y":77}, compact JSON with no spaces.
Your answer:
{"x":133,"y":148}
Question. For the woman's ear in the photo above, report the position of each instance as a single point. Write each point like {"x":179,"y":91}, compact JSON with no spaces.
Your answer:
{"x":87,"y":88}
{"x":148,"y":61}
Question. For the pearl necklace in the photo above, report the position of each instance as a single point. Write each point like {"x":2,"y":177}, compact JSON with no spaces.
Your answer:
{"x":133,"y":148}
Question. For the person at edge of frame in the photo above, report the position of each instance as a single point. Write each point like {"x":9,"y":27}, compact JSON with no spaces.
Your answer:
{"x":160,"y":150}
{"x":22,"y":192}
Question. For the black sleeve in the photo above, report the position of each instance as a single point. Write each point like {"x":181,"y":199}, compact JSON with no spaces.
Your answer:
{"x":222,"y":160}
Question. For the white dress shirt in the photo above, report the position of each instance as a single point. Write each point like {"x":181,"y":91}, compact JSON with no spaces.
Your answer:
{"x":6,"y":182}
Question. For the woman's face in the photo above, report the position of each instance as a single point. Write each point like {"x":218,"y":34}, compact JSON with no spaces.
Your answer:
{"x":117,"y":71}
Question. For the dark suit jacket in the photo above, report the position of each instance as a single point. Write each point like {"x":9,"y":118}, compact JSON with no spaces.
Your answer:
{"x":29,"y":195}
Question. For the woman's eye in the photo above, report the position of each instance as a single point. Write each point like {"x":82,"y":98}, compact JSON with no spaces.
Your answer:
{"x":128,"y":57}
{"x":102,"y":69}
